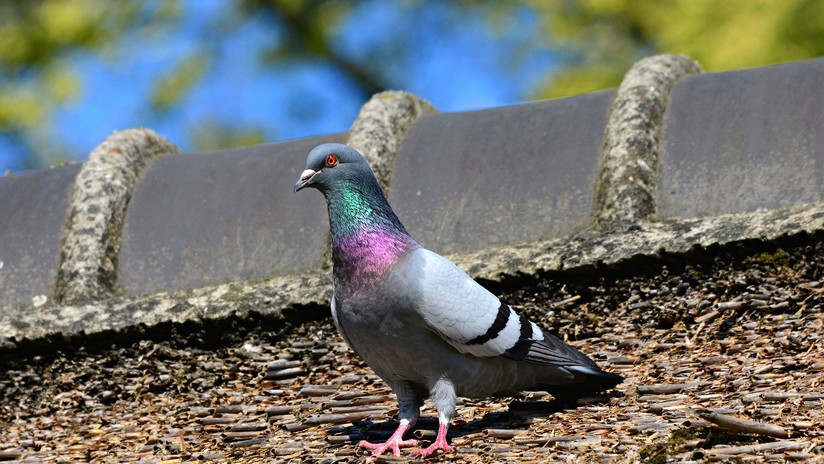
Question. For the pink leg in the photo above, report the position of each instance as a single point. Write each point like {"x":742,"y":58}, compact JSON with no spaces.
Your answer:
{"x":439,"y":444}
{"x":395,"y":442}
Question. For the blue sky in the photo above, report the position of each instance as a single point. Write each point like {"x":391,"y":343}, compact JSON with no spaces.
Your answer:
{"x":449,"y":56}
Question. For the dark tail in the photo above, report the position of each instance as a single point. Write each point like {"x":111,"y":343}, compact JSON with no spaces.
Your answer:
{"x":588,"y":380}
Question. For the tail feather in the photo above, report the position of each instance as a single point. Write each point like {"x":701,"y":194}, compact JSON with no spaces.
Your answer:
{"x":588,"y":380}
{"x":586,"y":377}
{"x":551,"y":350}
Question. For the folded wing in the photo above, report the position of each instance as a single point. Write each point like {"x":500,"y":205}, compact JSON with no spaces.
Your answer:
{"x":474,"y":321}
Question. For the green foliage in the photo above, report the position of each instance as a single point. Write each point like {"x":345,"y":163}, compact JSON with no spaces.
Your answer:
{"x":601,"y":39}
{"x":211,"y":135}
{"x":34,"y":37}
{"x":597,"y":41}
{"x":173,"y":86}
{"x":308,"y":30}
{"x":37,"y":40}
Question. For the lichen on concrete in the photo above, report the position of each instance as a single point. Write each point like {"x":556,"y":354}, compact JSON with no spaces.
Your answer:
{"x":99,"y":198}
{"x":626,"y":189}
{"x":647,"y":239}
{"x":271,"y":297}
{"x":381,"y":126}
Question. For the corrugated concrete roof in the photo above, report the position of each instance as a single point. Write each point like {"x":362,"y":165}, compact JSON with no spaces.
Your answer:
{"x":673,"y":159}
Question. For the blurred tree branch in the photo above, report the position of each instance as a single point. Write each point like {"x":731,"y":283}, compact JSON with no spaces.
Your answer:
{"x":308,"y":25}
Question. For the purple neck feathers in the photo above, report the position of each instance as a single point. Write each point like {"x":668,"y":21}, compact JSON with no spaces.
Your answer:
{"x":367,"y":237}
{"x":364,"y":258}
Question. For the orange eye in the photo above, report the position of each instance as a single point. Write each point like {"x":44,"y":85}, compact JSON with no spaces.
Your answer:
{"x":331,"y":161}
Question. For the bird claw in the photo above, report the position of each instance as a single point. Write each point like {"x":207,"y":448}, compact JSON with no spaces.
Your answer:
{"x":431,"y":449}
{"x":395,"y":444}
{"x":439,"y":443}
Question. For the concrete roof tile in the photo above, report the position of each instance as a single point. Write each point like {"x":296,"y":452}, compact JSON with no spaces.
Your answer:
{"x":743,"y":141}
{"x":464,"y":181}
{"x":207,"y":219}
{"x":33,"y":210}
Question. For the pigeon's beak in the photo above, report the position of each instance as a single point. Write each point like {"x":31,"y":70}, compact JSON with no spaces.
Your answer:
{"x":305,"y":179}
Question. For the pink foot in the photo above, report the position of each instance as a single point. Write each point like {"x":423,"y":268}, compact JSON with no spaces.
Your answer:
{"x":439,"y":444}
{"x":395,"y":442}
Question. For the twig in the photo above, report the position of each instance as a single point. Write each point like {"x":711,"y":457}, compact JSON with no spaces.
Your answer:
{"x":736,"y":424}
{"x":282,"y":364}
{"x":339,"y":439}
{"x":296,"y":426}
{"x":543,"y":441}
{"x":758,"y":447}
{"x":230,"y":409}
{"x":731,"y":305}
{"x":318,"y":390}
{"x":284,"y":373}
{"x":558,"y":304}
{"x":182,"y":442}
{"x":339,"y":418}
{"x":217,"y":420}
{"x":667,"y":388}
{"x":780,"y":396}
{"x":369,"y":399}
{"x":707,"y":317}
{"x":279,"y":410}
{"x":424,"y":434}
{"x":251,"y":442}
{"x":503,"y":433}
{"x":247,"y":427}
{"x":239,"y":436}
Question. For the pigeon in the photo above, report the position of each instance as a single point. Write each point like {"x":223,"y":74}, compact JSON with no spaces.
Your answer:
{"x":421,"y":323}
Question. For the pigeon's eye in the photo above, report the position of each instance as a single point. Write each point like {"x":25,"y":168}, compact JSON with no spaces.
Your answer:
{"x":331,"y":161}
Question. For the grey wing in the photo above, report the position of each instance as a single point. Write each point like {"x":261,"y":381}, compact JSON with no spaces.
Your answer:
{"x":474,"y":321}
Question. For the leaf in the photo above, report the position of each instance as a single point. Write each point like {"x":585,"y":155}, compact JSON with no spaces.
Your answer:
{"x":172,"y":87}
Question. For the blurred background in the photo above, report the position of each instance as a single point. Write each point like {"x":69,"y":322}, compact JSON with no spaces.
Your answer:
{"x":211,"y":74}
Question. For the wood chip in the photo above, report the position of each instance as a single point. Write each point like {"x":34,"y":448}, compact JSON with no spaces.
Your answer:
{"x":739,"y":425}
{"x":504,"y":433}
{"x":759,"y":448}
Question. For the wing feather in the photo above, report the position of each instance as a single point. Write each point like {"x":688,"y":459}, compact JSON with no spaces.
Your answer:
{"x":472,"y":319}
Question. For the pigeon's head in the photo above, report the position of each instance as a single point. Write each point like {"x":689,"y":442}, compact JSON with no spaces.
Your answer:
{"x":330,"y":163}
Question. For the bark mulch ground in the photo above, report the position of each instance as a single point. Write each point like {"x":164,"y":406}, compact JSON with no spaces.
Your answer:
{"x":723,"y":362}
